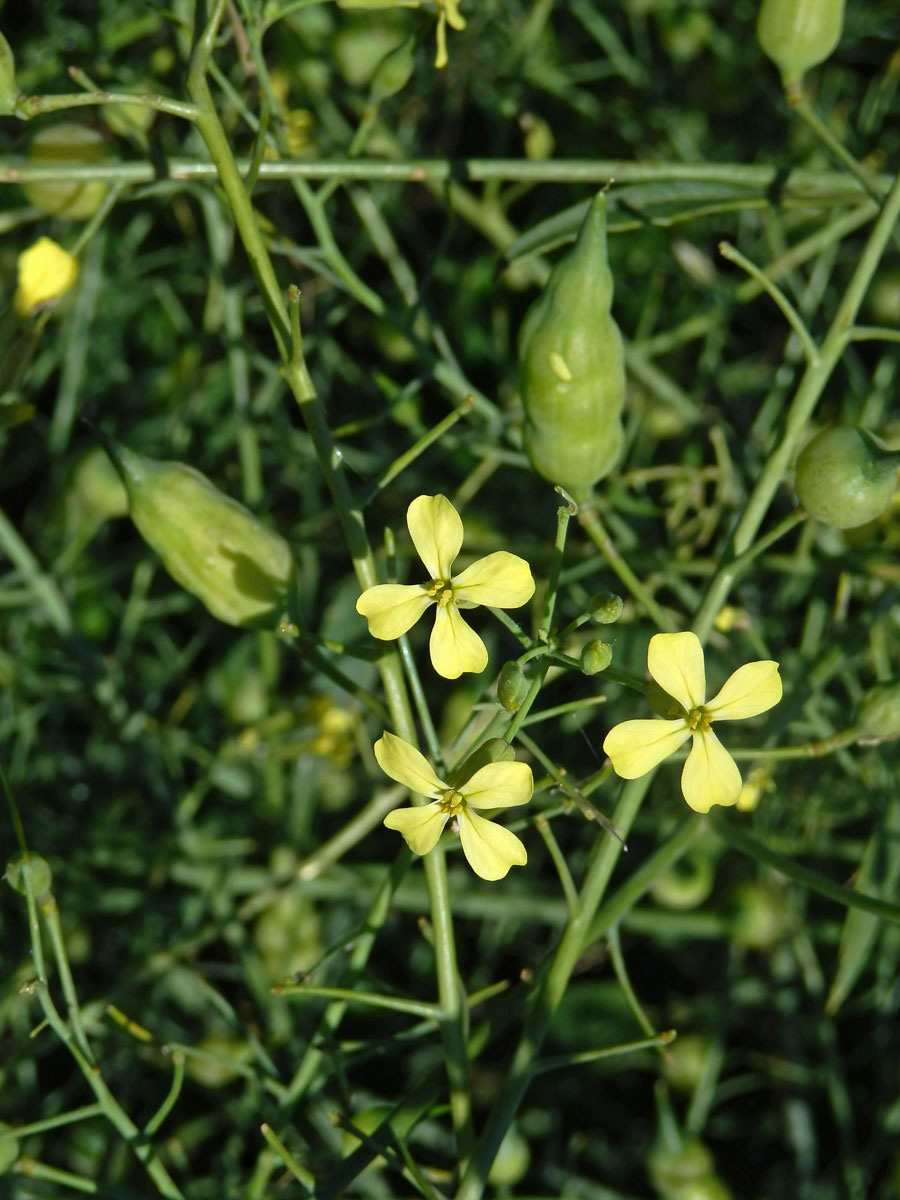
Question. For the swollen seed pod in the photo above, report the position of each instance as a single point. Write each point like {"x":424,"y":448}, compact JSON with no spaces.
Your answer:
{"x":571,"y":369}
{"x":9,"y":92}
{"x":512,"y":686}
{"x":845,"y":477}
{"x":214,"y":547}
{"x":798,"y":34}
{"x":67,"y":143}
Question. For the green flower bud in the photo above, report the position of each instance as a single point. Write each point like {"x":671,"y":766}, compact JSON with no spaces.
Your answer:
{"x":571,"y":371}
{"x":393,"y":72}
{"x":67,"y":143}
{"x":596,"y":657}
{"x":512,"y":686}
{"x":845,"y":476}
{"x":605,"y":607}
{"x":798,"y":34}
{"x":239,"y":568}
{"x":684,"y":1062}
{"x":33,"y":865}
{"x":9,"y":1149}
{"x":9,"y":93}
{"x":878,"y":714}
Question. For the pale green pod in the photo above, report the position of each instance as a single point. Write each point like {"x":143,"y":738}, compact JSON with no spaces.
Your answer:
{"x":799,"y":34}
{"x":67,"y":143}
{"x":239,"y":568}
{"x":571,"y":366}
{"x":9,"y":92}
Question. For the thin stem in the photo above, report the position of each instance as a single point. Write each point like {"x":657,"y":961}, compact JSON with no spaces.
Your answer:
{"x":793,"y":318}
{"x":590,"y":522}
{"x":563,"y":515}
{"x":35,"y":106}
{"x":415,"y":1008}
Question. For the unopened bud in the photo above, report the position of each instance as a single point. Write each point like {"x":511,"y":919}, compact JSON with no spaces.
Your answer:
{"x":596,"y":657}
{"x":878,"y":714}
{"x":605,"y":607}
{"x":512,"y":686}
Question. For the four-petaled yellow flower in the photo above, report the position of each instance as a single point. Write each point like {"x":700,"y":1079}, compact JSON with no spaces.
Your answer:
{"x":710,"y":775}
{"x":448,"y":14}
{"x":500,"y":580}
{"x":490,"y":849}
{"x":46,"y":271}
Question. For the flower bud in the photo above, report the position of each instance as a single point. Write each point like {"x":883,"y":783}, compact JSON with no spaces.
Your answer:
{"x":845,"y":476}
{"x":33,"y":865}
{"x":46,"y":272}
{"x":571,"y":367}
{"x":9,"y":92}
{"x":512,"y":686}
{"x":798,"y":34}
{"x":67,"y":143}
{"x":596,"y":657}
{"x":878,"y":714}
{"x":605,"y":607}
{"x":239,"y":568}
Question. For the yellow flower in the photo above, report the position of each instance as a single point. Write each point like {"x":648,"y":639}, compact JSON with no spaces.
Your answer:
{"x":448,"y":14}
{"x":490,"y":849}
{"x":46,"y":271}
{"x":710,"y":775}
{"x":499,"y":580}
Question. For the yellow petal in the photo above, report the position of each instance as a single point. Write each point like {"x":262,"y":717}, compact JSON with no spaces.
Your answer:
{"x":751,"y":690}
{"x":437,"y":533}
{"x":499,"y":785}
{"x":392,"y":608}
{"x":675,"y":660}
{"x":710,"y":775}
{"x":490,"y":849}
{"x":636,"y":747}
{"x":500,"y":580}
{"x":46,"y":271}
{"x":404,"y":763}
{"x":454,"y":646}
{"x":421,"y":827}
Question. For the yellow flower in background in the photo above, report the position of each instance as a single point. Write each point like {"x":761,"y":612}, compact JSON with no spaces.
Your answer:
{"x":46,"y":271}
{"x":500,"y":580}
{"x":448,"y":14}
{"x":490,"y":849}
{"x":710,"y":775}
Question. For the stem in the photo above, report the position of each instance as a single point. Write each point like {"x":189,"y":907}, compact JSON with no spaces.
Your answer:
{"x":596,"y":531}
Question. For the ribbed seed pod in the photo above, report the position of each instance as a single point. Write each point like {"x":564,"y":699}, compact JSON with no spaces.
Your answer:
{"x":845,"y":476}
{"x":799,"y":34}
{"x":571,"y":370}
{"x":214,"y":547}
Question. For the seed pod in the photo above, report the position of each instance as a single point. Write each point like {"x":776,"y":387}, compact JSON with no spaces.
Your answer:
{"x":571,"y":372}
{"x":9,"y":93}
{"x":878,"y":714}
{"x":214,"y":547}
{"x":679,"y":1165}
{"x":393,"y":72}
{"x":512,"y":686}
{"x":36,"y":867}
{"x":596,"y":657}
{"x":798,"y":34}
{"x":67,"y":143}
{"x":844,"y":476}
{"x":687,"y":883}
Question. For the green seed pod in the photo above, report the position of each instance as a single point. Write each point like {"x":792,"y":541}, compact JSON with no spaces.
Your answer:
{"x":844,"y":476}
{"x":512,"y":686}
{"x":679,"y":1165}
{"x":9,"y":1149}
{"x":760,"y":916}
{"x":511,"y":1161}
{"x":878,"y":714}
{"x":798,"y":34}
{"x":687,"y":883}
{"x":35,"y":866}
{"x":605,"y":608}
{"x":685,"y":1061}
{"x":9,"y":93}
{"x":393,"y":72}
{"x":571,"y":369}
{"x":596,"y":657}
{"x":214,"y":547}
{"x":67,"y":143}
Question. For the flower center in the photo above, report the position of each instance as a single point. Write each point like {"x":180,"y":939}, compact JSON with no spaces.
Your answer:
{"x":699,"y":720}
{"x":451,"y":802}
{"x":440,"y":590}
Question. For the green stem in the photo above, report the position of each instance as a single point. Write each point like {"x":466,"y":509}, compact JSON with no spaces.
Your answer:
{"x":590,"y":522}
